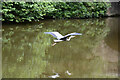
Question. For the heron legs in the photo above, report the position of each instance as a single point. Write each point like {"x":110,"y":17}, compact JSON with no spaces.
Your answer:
{"x":54,"y":44}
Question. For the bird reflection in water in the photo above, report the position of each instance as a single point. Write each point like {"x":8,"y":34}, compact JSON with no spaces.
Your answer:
{"x":54,"y":76}
{"x":57,"y":75}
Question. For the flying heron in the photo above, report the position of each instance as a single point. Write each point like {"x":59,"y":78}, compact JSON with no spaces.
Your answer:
{"x":61,"y":37}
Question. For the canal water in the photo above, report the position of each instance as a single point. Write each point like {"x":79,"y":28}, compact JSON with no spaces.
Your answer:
{"x":28,"y":53}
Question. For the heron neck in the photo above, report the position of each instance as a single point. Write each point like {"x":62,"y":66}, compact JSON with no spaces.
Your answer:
{"x":69,"y":38}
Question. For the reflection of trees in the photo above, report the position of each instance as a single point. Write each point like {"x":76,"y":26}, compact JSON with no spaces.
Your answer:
{"x":23,"y":52}
{"x":25,"y":48}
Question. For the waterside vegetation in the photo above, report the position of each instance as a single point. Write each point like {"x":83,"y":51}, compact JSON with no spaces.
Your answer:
{"x":34,"y":11}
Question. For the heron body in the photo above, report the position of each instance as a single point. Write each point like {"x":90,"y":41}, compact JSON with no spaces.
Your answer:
{"x":64,"y":38}
{"x":61,"y":37}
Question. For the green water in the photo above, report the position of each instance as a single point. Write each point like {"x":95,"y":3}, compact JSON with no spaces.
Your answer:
{"x":28,"y":53}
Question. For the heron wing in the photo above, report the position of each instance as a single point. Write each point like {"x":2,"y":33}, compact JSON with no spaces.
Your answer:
{"x":55,"y":34}
{"x":73,"y":34}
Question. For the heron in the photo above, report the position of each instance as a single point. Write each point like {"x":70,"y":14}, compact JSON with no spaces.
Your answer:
{"x":61,"y":37}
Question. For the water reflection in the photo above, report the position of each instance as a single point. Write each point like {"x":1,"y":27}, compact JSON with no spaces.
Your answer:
{"x":27,"y":51}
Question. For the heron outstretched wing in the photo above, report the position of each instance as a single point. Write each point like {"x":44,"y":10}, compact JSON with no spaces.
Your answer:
{"x":55,"y":34}
{"x":72,"y":34}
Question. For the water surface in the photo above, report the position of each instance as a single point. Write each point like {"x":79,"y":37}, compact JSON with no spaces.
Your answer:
{"x":28,"y":52}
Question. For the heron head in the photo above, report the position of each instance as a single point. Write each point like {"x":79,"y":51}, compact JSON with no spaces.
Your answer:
{"x":72,"y":36}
